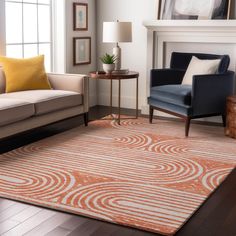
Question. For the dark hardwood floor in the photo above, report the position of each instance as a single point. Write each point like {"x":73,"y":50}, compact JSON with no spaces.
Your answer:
{"x":216,"y":217}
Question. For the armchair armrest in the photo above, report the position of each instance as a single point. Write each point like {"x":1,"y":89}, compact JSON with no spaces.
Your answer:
{"x":71,"y":82}
{"x":209,"y":93}
{"x":166,"y":76}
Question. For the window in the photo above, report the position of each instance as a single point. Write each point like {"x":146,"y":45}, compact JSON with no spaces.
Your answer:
{"x":28,"y":29}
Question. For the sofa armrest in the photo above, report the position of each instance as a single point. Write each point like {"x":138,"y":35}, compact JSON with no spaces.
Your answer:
{"x":209,"y":92}
{"x":71,"y":82}
{"x":166,"y":76}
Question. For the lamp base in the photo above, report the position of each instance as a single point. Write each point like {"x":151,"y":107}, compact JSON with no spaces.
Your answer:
{"x":117,"y":53}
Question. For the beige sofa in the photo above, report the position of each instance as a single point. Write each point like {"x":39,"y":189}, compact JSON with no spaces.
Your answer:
{"x":25,"y":110}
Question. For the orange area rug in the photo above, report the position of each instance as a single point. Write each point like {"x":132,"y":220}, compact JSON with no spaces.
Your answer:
{"x":147,"y":176}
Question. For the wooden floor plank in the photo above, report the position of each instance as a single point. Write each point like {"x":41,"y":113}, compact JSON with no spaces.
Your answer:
{"x":12,"y":211}
{"x":143,"y":233}
{"x":59,"y":232}
{"x":105,"y":229}
{"x":26,"y":213}
{"x":31,"y":223}
{"x":124,"y":232}
{"x":49,"y":225}
{"x":87,"y":228}
{"x":4,"y":204}
{"x":229,"y":225}
{"x":7,"y":225}
{"x":73,"y":223}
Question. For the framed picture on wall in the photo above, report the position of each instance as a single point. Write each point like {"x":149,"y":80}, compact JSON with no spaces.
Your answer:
{"x":82,"y":50}
{"x":221,"y":9}
{"x":158,"y":4}
{"x":192,"y":9}
{"x":80,"y":16}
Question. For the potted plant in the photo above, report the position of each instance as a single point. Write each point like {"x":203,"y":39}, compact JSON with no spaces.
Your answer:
{"x":108,"y":62}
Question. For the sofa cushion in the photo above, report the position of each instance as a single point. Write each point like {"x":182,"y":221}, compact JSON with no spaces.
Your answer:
{"x":13,"y":110}
{"x":46,"y":101}
{"x":24,"y":74}
{"x":174,"y":94}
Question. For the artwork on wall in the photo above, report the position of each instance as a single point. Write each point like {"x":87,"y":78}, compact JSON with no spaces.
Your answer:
{"x":82,"y":50}
{"x":192,"y":9}
{"x":80,"y":16}
{"x":221,"y":9}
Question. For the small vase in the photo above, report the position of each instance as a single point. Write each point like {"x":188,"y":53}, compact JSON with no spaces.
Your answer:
{"x":108,"y":68}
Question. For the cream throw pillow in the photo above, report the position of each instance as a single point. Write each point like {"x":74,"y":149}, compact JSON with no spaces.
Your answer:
{"x":200,"y":67}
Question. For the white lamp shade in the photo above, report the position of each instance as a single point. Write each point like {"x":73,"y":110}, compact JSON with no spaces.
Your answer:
{"x":115,"y":32}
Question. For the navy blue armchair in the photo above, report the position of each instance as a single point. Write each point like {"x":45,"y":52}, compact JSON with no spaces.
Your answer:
{"x":205,"y":97}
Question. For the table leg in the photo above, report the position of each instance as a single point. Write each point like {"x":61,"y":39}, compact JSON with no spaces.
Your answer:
{"x":119,"y":101}
{"x":137,"y":97}
{"x":111,"y":98}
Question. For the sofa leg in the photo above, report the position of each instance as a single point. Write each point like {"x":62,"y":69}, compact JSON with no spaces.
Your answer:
{"x":150,"y":114}
{"x":224,"y":120}
{"x":187,"y":126}
{"x":86,"y":118}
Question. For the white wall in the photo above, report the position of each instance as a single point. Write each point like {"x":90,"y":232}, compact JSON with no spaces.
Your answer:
{"x":133,"y":54}
{"x":2,"y":28}
{"x":82,"y":69}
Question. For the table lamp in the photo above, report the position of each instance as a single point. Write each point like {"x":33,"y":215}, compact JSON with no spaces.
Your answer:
{"x":117,"y":32}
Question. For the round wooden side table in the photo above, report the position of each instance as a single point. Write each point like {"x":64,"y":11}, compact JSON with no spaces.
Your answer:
{"x":230,"y":129}
{"x":100,"y":75}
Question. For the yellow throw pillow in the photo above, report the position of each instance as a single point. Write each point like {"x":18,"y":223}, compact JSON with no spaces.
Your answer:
{"x":24,"y":74}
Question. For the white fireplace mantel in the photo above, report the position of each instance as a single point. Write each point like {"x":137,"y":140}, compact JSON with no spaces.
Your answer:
{"x":160,"y":32}
{"x":187,"y":31}
{"x":190,"y":25}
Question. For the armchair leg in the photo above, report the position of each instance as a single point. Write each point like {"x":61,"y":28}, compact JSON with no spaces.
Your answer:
{"x":224,"y":120}
{"x":86,"y":118}
{"x":187,"y":125}
{"x":150,"y":114}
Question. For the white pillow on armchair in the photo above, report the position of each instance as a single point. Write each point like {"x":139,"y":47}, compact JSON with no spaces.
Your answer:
{"x":200,"y":67}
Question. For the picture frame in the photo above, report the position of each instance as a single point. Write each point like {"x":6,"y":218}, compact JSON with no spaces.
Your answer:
{"x":223,"y":11}
{"x":194,"y":10}
{"x":80,"y":16}
{"x":81,"y":50}
{"x":158,"y":7}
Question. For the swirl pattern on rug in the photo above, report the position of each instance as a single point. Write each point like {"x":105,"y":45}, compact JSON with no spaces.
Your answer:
{"x":136,"y":174}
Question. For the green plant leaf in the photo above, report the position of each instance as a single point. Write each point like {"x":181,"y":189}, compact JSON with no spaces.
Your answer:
{"x":108,"y":59}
